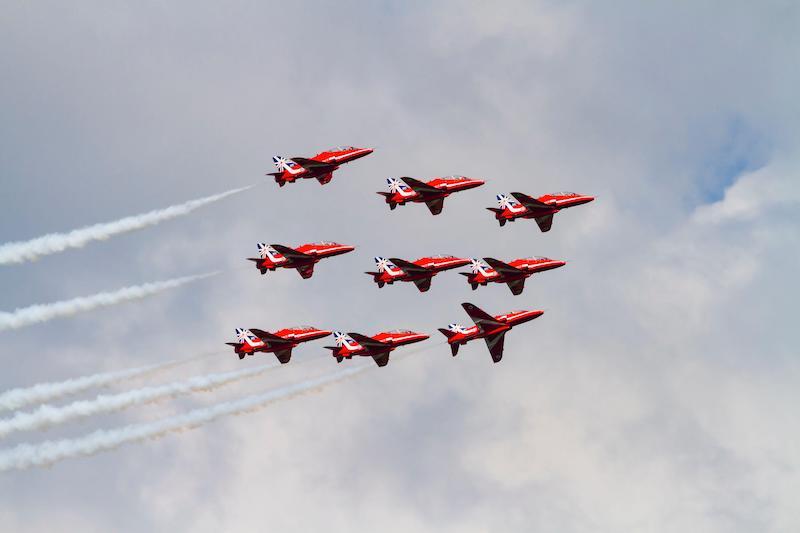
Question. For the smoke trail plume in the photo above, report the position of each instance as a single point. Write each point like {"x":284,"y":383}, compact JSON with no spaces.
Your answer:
{"x":29,"y":455}
{"x":43,"y":312}
{"x":18,"y":252}
{"x":46,"y":416}
{"x":43,"y":392}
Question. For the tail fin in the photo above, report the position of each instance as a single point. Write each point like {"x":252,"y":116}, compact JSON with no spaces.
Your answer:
{"x":446,"y":332}
{"x":265,"y":251}
{"x":245,"y":336}
{"x":480,"y":267}
{"x":280,"y":162}
{"x":395,"y":185}
{"x":481,"y":318}
{"x":450,"y":333}
{"x":507,"y":202}
{"x":386,"y":265}
{"x":345,"y":342}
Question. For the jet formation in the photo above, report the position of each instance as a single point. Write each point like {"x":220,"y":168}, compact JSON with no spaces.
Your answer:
{"x":491,"y":329}
{"x":432,"y":193}
{"x":319,"y":167}
{"x":419,"y":272}
{"x":303,"y":258}
{"x":541,"y":209}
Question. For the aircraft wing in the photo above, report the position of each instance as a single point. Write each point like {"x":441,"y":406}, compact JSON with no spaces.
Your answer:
{"x":325,"y":178}
{"x":503,"y":268}
{"x":368,"y":342}
{"x":516,"y":286}
{"x":284,"y":355}
{"x":495,"y":345}
{"x":435,"y":206}
{"x":409,"y":267}
{"x":530,"y":203}
{"x":306,"y":271}
{"x":291,"y":253}
{"x":545,"y":222}
{"x":423,"y":284}
{"x":381,"y":359}
{"x":316,"y":166}
{"x":266,"y":336}
{"x":421,"y":188}
{"x":481,"y":318}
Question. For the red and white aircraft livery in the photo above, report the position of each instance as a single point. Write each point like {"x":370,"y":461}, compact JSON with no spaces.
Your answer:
{"x":492,"y":329}
{"x":542,"y":209}
{"x":432,"y":193}
{"x":303,"y":258}
{"x":378,"y":346}
{"x":280,"y":343}
{"x":420,"y":271}
{"x":513,"y":274}
{"x":319,"y":167}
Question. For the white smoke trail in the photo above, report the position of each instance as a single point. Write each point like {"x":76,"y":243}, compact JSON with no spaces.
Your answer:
{"x":29,"y":455}
{"x":43,"y":312}
{"x":46,"y":416}
{"x":18,"y":252}
{"x":43,"y":392}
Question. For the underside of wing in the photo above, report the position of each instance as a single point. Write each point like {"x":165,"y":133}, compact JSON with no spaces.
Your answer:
{"x":516,"y":286}
{"x":316,"y":166}
{"x":306,"y":271}
{"x":409,"y":267}
{"x":503,"y":268}
{"x":545,"y":222}
{"x":292,"y":254}
{"x":381,"y":359}
{"x":435,"y":206}
{"x":423,"y":284}
{"x":266,"y":336}
{"x":420,"y":188}
{"x":529,"y":202}
{"x":325,"y":178}
{"x":495,"y":345}
{"x":481,"y":318}
{"x":284,"y":355}
{"x":368,"y":342}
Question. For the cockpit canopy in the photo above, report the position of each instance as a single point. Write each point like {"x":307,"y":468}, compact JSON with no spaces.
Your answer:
{"x":454,"y":178}
{"x":400,"y":331}
{"x":340,"y":149}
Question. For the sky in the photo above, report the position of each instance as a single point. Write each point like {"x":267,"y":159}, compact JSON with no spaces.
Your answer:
{"x":657,"y":393}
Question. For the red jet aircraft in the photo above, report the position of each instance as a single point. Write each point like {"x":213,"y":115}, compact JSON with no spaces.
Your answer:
{"x":513,"y":274}
{"x":378,"y":346}
{"x":280,"y":343}
{"x":420,"y":271}
{"x":492,"y":329}
{"x":320,"y":167}
{"x":432,"y":193}
{"x":542,"y":209}
{"x":303,"y":258}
